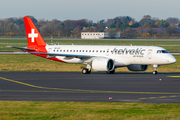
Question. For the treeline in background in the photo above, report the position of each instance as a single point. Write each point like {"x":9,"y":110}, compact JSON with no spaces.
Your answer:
{"x":146,"y":28}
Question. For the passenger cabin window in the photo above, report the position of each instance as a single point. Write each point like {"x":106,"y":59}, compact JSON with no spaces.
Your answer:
{"x":64,"y":50}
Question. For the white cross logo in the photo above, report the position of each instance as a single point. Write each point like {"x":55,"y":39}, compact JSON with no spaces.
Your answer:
{"x":32,"y":35}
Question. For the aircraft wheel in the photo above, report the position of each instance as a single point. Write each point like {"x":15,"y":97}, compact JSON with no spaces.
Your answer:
{"x":86,"y":71}
{"x":110,"y":72}
{"x":154,"y":72}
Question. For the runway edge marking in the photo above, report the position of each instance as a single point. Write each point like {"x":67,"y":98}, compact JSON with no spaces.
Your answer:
{"x":85,"y":91}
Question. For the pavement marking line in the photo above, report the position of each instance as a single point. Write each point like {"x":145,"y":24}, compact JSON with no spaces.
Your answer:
{"x":173,"y":96}
{"x":84,"y":91}
{"x":142,"y":98}
{"x":41,"y":91}
{"x":162,"y":96}
{"x":174,"y":76}
{"x":152,"y":97}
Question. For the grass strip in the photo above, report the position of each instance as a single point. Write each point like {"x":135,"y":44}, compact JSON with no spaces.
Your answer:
{"x":87,"y":111}
{"x":27,"y":62}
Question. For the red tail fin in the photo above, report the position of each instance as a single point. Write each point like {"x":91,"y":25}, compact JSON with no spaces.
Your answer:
{"x":33,"y":36}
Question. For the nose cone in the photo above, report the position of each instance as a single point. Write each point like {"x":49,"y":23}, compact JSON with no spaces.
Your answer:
{"x":171,"y":59}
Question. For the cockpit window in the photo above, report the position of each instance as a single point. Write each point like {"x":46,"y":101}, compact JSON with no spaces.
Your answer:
{"x":165,"y":51}
{"x":159,"y":51}
{"x":162,"y":51}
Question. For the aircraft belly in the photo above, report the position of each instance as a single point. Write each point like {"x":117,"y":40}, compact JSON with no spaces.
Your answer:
{"x":121,"y":62}
{"x":69,"y":59}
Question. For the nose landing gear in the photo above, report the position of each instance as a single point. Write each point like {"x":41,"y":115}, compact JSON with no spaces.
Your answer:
{"x":155,"y":72}
{"x":155,"y":69}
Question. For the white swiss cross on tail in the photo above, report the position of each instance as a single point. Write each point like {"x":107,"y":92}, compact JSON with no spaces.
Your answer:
{"x":32,"y":35}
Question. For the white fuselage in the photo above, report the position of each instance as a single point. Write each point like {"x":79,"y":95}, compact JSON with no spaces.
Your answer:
{"x":122,"y":55}
{"x":99,"y":58}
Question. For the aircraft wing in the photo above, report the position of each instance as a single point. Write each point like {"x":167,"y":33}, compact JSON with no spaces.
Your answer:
{"x":22,"y":48}
{"x":67,"y":55}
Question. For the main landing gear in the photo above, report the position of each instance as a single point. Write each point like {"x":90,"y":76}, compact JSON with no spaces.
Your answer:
{"x":155,"y":69}
{"x":111,"y":72}
{"x":87,"y":70}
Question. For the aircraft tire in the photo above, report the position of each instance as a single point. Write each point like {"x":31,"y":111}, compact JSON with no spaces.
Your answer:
{"x":154,"y":72}
{"x":110,"y":72}
{"x":86,"y":71}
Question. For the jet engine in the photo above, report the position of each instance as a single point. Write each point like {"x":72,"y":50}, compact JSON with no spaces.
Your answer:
{"x":138,"y":67}
{"x":103,"y":64}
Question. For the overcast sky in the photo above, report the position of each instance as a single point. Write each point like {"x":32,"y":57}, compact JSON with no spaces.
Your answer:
{"x":89,"y":9}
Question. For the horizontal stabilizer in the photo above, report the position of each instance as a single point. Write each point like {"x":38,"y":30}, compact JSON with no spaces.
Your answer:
{"x":22,"y":48}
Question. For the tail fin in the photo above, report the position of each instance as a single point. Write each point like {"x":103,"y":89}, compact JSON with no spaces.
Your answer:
{"x":33,"y":36}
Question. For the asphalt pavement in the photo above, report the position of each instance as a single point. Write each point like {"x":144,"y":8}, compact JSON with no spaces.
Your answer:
{"x":75,"y":86}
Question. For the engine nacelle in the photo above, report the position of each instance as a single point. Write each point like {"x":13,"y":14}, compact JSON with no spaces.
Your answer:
{"x":103,"y":64}
{"x":138,"y":67}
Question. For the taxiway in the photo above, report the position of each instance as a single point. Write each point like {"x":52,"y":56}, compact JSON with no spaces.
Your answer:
{"x":72,"y":86}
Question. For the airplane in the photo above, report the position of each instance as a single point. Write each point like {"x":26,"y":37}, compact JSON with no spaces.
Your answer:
{"x":97,"y":57}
